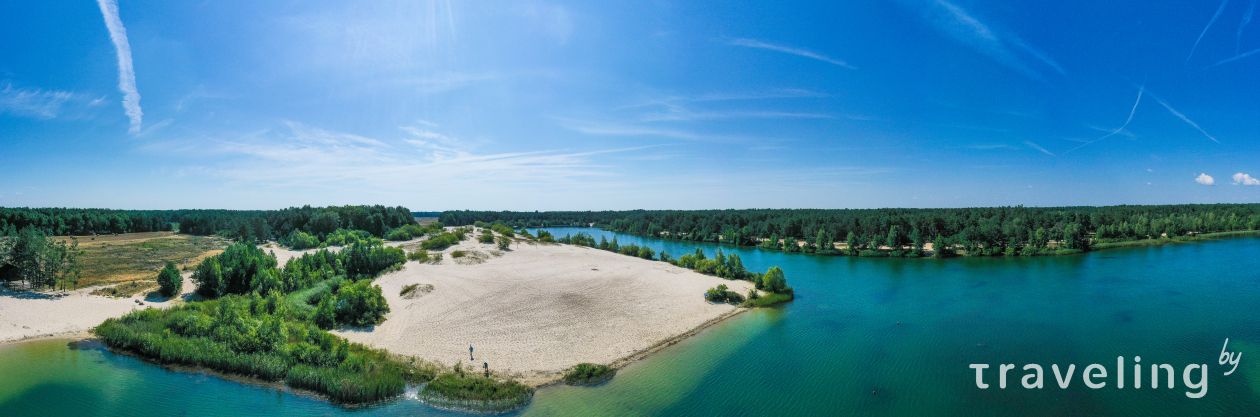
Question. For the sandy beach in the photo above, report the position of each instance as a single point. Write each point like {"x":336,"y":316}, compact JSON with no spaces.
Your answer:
{"x":538,"y":309}
{"x":31,"y":315}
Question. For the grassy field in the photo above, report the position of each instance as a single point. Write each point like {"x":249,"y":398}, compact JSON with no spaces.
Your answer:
{"x":119,"y":260}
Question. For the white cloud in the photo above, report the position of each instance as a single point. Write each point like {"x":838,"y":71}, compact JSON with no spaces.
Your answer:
{"x":1205,"y":179}
{"x":1244,"y":179}
{"x":126,"y":73}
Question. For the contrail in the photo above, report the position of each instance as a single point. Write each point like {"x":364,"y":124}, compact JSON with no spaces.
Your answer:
{"x":1037,"y":147}
{"x":1126,"y":121}
{"x":1183,"y":117}
{"x":1251,"y":10}
{"x":753,"y":43}
{"x":126,"y":74}
{"x":1250,"y":53}
{"x":1205,"y":28}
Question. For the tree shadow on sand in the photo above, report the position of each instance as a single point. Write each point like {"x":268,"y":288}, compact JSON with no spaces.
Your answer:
{"x":30,"y":293}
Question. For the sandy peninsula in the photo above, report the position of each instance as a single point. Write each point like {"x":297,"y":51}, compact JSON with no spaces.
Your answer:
{"x":537,"y":309}
{"x":530,"y":312}
{"x":31,"y":315}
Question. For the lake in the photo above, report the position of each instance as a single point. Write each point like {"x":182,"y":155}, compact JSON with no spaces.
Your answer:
{"x":865,"y":336}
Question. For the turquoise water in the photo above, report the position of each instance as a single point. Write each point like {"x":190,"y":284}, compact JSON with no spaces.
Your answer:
{"x":826,"y":352}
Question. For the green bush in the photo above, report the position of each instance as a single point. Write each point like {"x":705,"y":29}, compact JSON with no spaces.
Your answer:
{"x":169,"y":280}
{"x":457,"y":254}
{"x":440,"y":242}
{"x":486,"y":237}
{"x":299,"y":240}
{"x":505,"y":242}
{"x":588,"y":374}
{"x":361,"y":304}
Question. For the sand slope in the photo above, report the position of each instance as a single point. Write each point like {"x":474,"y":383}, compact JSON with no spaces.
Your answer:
{"x":539,"y":309}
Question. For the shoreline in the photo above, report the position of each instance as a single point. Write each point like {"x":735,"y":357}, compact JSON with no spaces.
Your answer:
{"x":1093,"y":247}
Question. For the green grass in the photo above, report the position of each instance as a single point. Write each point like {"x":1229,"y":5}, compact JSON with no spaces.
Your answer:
{"x":588,"y":374}
{"x":302,"y":299}
{"x":474,"y":393}
{"x":769,"y":299}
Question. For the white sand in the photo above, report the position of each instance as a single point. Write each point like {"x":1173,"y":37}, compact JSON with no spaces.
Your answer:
{"x":71,"y":313}
{"x":540,"y":309}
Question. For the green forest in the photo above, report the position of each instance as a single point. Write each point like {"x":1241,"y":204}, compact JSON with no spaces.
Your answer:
{"x":259,"y":225}
{"x":905,"y":232}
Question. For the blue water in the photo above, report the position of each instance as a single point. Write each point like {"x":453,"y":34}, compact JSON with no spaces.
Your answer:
{"x":826,"y":352}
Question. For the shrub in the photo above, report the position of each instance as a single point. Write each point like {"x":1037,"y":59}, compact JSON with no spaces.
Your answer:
{"x":588,"y":374}
{"x":505,"y":242}
{"x":486,"y":237}
{"x":361,"y":304}
{"x":418,"y":255}
{"x":440,"y":242}
{"x":457,"y":254}
{"x":169,"y":280}
{"x":716,"y":294}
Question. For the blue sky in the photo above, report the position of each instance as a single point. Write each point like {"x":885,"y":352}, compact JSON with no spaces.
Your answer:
{"x":620,"y":105}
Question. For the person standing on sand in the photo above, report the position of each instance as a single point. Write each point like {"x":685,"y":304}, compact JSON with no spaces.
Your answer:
{"x":470,"y":355}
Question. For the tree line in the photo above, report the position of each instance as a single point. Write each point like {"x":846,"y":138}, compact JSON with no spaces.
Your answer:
{"x":976,"y":230}
{"x":70,"y":221}
{"x":259,"y":225}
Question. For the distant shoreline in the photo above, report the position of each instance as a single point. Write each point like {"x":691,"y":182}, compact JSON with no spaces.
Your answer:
{"x":929,"y":254}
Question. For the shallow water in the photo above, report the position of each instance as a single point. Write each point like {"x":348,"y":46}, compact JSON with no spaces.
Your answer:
{"x":827,"y":351}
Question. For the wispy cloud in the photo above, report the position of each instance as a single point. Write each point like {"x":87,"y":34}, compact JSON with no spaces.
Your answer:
{"x":1121,"y":128}
{"x":1215,"y":16}
{"x":126,"y":74}
{"x":44,"y":104}
{"x":958,"y":24}
{"x":1038,"y":147}
{"x":682,"y":115}
{"x":308,"y":156}
{"x":1244,"y":179}
{"x":760,"y":95}
{"x":421,"y":133}
{"x":613,"y":129}
{"x":1182,"y":116}
{"x":753,"y":43}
